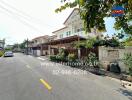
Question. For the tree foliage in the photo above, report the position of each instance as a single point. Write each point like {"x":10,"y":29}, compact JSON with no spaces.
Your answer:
{"x":22,"y":45}
{"x":89,"y":43}
{"x":128,"y":61}
{"x":93,"y":12}
{"x":104,"y":41}
{"x":15,"y":46}
{"x":128,"y":41}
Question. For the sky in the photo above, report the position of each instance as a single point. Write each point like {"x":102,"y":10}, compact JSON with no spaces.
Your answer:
{"x":22,"y":19}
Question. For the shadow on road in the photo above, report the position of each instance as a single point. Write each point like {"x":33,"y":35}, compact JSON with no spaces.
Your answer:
{"x":126,"y":93}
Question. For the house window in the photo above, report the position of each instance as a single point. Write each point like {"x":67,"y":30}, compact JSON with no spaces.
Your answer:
{"x":68,"y":33}
{"x":81,"y":29}
{"x":78,"y":30}
{"x":36,"y":41}
{"x":61,"y":36}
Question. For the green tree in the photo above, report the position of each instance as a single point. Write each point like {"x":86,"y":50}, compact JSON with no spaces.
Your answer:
{"x":95,"y":42}
{"x":16,"y":45}
{"x":93,"y":12}
{"x":128,"y":62}
{"x":89,"y":43}
{"x":128,"y":41}
{"x":22,"y":45}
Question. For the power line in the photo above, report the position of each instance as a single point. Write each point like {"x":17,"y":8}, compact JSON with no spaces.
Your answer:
{"x":23,"y":14}
{"x":16,"y":17}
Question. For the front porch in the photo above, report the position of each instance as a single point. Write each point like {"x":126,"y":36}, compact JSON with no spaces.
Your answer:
{"x":67,"y":44}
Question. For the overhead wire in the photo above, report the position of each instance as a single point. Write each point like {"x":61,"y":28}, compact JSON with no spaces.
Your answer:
{"x":18,"y":18}
{"x":25,"y":15}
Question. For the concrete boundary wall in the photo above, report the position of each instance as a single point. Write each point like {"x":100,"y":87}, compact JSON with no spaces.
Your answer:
{"x":110,"y":54}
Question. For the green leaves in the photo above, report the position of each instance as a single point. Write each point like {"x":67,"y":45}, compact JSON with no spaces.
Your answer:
{"x":93,"y":12}
{"x":81,"y":2}
{"x":128,"y":62}
{"x":92,"y":60}
{"x":128,"y":41}
{"x":66,"y":5}
{"x":130,"y":5}
{"x":86,"y":43}
{"x":71,"y":57}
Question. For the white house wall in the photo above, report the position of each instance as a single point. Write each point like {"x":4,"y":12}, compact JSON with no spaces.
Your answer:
{"x":74,"y":24}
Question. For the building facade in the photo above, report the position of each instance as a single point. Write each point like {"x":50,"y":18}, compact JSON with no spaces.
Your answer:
{"x":62,"y":38}
{"x":74,"y":26}
{"x":36,"y":45}
{"x":2,"y":43}
{"x":73,"y":31}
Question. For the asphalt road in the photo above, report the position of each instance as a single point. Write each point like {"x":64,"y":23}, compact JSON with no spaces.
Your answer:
{"x":29,"y":78}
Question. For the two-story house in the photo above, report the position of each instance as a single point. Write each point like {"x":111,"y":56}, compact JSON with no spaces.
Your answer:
{"x":74,"y":26}
{"x":37,"y":46}
{"x":73,"y":31}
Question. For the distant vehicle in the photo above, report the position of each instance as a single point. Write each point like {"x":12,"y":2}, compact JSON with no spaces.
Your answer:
{"x":8,"y":54}
{"x":23,"y":51}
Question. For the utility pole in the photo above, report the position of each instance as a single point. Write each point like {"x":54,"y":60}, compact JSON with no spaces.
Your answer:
{"x":27,"y":46}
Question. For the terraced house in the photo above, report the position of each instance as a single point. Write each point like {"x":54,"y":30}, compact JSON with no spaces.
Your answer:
{"x":36,"y":47}
{"x":73,"y":31}
{"x":63,"y":37}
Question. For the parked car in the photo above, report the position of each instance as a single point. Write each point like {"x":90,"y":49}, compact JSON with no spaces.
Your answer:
{"x":8,"y":54}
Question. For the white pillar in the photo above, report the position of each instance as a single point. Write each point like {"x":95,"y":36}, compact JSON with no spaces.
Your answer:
{"x":79,"y":53}
{"x":49,"y":49}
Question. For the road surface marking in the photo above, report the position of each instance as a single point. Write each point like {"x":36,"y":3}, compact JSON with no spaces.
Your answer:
{"x":45,"y":84}
{"x":30,"y":56}
{"x":41,"y":58}
{"x":28,"y":66}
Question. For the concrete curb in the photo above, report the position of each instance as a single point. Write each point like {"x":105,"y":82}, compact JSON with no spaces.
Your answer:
{"x":125,"y":84}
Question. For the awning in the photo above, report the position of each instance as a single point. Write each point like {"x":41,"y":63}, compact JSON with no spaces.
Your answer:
{"x":65,"y":40}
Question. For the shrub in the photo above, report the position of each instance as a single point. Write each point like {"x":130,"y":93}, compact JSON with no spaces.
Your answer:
{"x":128,"y":41}
{"x":52,"y":58}
{"x":71,"y":57}
{"x":92,"y":59}
{"x":1,"y":53}
{"x":61,"y":56}
{"x":128,"y":62}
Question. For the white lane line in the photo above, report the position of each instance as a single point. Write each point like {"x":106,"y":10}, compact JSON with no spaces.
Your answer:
{"x":30,"y":56}
{"x":28,"y":66}
{"x":31,"y":69}
{"x":40,"y":58}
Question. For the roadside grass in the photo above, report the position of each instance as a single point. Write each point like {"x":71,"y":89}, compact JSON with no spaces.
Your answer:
{"x":1,"y":53}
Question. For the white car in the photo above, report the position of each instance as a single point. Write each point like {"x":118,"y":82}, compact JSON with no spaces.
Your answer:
{"x":8,"y":54}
